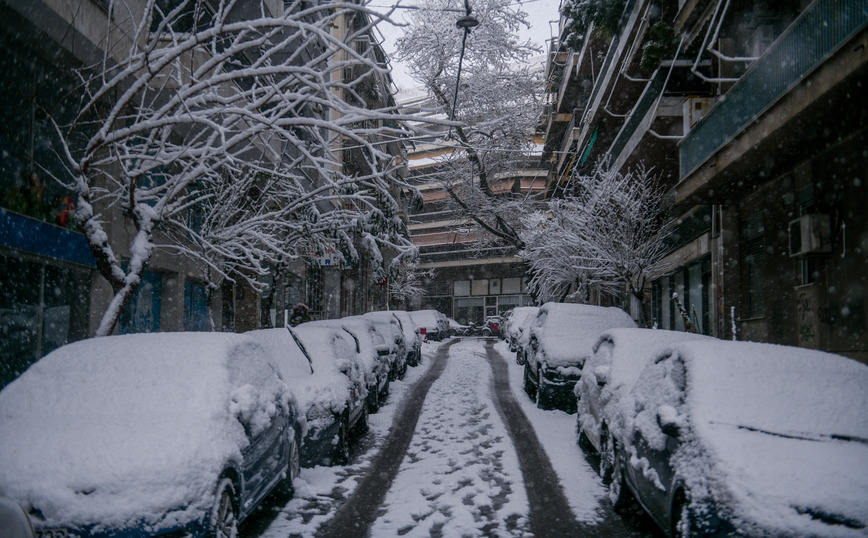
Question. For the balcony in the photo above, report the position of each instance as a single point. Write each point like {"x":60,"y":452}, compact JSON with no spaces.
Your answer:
{"x":817,"y":34}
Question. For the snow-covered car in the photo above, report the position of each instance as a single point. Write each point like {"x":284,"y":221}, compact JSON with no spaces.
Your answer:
{"x":514,"y":323}
{"x":147,"y":434}
{"x":434,"y":322}
{"x":373,"y":352}
{"x":456,"y":328}
{"x":607,"y":377}
{"x":319,"y":366}
{"x":390,"y":328}
{"x":560,"y":339}
{"x":747,"y":439}
{"x":412,"y":336}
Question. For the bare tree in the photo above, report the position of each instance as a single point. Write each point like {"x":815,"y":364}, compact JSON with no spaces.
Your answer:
{"x":608,"y":234}
{"x":214,"y":127}
{"x":494,"y":103}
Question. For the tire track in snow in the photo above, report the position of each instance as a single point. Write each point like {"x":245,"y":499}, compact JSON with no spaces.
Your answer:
{"x":460,"y":476}
{"x":550,"y":513}
{"x":355,"y":517}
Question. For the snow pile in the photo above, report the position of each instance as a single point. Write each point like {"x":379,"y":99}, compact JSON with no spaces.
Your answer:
{"x":131,"y":431}
{"x":618,"y":359}
{"x":777,"y":434}
{"x":567,"y":332}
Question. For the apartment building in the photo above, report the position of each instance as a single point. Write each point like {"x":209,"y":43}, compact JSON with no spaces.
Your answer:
{"x":752,"y":115}
{"x":473,"y":275}
{"x":51,"y":292}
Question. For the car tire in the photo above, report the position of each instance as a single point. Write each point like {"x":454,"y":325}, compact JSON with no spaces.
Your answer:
{"x":619,"y":492}
{"x":285,"y":487}
{"x":361,"y":426}
{"x":542,"y":397}
{"x":373,"y":402}
{"x":342,"y":449}
{"x":607,"y":455}
{"x":529,"y":387}
{"x":224,"y":514}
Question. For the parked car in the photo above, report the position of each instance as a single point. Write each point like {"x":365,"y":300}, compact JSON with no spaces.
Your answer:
{"x":412,"y":335}
{"x":390,"y":328}
{"x":435,"y":323}
{"x":374,"y":353}
{"x":607,"y":377}
{"x":147,"y":434}
{"x":457,"y":329}
{"x":328,"y":384}
{"x":560,"y":339}
{"x":513,"y":324}
{"x":738,"y":438}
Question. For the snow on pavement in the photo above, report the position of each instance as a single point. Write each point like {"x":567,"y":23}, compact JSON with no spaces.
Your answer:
{"x":460,"y":476}
{"x":556,"y":431}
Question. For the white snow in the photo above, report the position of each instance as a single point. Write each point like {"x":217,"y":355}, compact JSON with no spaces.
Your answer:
{"x":566,"y":332}
{"x":776,"y":431}
{"x":619,"y":357}
{"x":131,"y":429}
{"x":452,"y":450}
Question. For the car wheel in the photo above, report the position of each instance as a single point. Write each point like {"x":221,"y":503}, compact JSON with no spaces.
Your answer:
{"x":619,"y":493}
{"x":529,"y":387}
{"x":373,"y":400}
{"x":384,"y":393}
{"x":542,"y":397}
{"x":224,"y":515}
{"x":607,"y":455}
{"x":285,"y":487}
{"x":361,"y":426}
{"x":342,"y":449}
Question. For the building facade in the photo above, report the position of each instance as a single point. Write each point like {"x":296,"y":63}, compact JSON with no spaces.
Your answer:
{"x":750,"y":113}
{"x":51,"y":292}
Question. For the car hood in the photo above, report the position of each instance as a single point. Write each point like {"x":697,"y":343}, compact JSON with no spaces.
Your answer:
{"x":787,"y":483}
{"x":153,"y":472}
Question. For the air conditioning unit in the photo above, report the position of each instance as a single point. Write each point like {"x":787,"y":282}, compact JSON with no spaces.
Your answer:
{"x":810,"y":234}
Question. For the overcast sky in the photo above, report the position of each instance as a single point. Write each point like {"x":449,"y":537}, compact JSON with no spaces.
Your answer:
{"x":543,"y":16}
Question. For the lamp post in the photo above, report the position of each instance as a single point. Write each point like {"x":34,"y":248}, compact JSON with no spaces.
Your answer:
{"x":467,"y":22}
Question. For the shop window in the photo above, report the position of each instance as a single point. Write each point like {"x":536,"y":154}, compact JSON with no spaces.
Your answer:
{"x":42,"y":307}
{"x":141,"y":314}
{"x":468,"y":310}
{"x":195,"y":307}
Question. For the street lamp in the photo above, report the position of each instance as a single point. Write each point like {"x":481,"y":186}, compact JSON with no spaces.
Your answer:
{"x":465,"y":23}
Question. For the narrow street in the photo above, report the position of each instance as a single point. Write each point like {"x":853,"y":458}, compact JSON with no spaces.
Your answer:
{"x":457,"y":450}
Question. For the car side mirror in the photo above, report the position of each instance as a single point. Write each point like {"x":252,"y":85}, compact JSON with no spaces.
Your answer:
{"x":669,"y":421}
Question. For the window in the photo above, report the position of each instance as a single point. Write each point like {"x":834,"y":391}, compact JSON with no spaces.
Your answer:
{"x":42,"y":307}
{"x":142,"y":312}
{"x":479,"y":287}
{"x":195,"y":307}
{"x":754,"y":258}
{"x":461,"y":288}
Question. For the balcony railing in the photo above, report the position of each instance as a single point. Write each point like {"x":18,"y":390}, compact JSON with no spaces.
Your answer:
{"x":814,"y":36}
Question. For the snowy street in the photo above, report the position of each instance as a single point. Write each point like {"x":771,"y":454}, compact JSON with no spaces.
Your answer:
{"x":480,"y":461}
